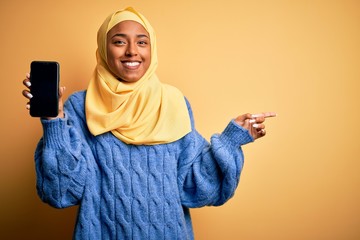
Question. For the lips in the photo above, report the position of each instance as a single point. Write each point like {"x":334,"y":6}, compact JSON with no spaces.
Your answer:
{"x":131,"y":64}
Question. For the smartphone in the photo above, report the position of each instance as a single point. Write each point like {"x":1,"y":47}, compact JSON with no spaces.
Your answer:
{"x":44,"y":78}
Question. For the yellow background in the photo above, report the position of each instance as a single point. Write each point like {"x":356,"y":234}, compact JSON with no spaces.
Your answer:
{"x":299,"y":58}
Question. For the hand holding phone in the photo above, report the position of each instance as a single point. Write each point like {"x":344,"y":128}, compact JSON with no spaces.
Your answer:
{"x":44,"y":78}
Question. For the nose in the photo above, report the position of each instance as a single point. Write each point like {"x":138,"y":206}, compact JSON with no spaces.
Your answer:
{"x":131,"y":50}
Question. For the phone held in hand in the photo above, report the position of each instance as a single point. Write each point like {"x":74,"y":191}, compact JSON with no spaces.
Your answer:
{"x":44,"y":77}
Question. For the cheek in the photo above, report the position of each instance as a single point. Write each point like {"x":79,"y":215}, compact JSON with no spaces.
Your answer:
{"x":112,"y":57}
{"x":111,"y":54}
{"x":112,"y":63}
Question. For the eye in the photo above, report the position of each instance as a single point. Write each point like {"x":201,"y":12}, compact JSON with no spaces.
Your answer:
{"x":142,"y":42}
{"x":119,"y":42}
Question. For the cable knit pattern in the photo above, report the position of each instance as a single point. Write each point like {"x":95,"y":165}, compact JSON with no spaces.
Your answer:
{"x":134,"y":191}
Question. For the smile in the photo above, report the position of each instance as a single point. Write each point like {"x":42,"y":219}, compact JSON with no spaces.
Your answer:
{"x":131,"y":64}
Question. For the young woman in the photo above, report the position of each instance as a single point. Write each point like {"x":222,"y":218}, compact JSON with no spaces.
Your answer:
{"x":126,"y":149}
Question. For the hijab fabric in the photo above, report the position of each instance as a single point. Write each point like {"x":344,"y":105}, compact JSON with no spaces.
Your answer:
{"x":145,"y":112}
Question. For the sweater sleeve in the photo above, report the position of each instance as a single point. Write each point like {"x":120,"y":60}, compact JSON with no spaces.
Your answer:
{"x":209,"y":173}
{"x":61,"y":157}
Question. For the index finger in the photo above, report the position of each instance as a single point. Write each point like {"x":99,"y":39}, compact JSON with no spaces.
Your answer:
{"x":265,"y":115}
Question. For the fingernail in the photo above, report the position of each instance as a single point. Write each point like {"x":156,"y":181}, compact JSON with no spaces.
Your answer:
{"x":255,"y":125}
{"x":29,"y":95}
{"x":252,"y":120}
{"x":28,"y":84}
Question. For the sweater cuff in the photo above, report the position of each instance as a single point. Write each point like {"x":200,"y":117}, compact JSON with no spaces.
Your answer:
{"x":54,"y":132}
{"x":235,"y":135}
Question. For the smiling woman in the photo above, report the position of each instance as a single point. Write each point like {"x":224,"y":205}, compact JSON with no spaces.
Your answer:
{"x":128,"y":51}
{"x":128,"y":99}
{"x":126,"y":149}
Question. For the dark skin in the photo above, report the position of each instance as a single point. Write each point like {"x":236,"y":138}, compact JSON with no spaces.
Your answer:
{"x":254,"y":123}
{"x":128,"y":51}
{"x":129,"y":55}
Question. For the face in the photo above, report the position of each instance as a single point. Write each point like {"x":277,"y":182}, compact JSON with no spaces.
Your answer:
{"x":128,"y":51}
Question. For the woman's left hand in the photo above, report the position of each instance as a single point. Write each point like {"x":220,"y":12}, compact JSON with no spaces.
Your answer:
{"x":254,"y":123}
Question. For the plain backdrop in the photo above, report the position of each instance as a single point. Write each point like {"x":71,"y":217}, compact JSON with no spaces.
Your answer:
{"x":299,"y":58}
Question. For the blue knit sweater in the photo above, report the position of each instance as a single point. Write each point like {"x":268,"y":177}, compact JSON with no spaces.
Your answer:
{"x":134,"y":191}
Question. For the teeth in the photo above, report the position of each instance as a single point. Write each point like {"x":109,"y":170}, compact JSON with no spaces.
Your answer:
{"x":132,"y":64}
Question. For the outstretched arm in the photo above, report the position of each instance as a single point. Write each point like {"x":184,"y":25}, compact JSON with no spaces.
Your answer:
{"x":209,"y":173}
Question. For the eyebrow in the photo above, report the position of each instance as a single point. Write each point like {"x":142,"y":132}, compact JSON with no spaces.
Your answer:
{"x":124,"y":35}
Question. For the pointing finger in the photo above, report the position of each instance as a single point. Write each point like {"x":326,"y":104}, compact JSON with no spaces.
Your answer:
{"x":265,"y":115}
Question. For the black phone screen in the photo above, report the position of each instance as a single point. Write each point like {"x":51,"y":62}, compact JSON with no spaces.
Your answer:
{"x":44,"y":77}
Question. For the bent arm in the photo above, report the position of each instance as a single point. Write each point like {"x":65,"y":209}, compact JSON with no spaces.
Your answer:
{"x":211,"y":175}
{"x":61,"y":159}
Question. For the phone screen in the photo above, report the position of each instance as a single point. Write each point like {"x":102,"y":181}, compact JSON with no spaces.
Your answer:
{"x":44,"y":77}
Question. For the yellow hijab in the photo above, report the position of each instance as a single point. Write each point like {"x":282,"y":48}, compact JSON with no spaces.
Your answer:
{"x":144,"y":112}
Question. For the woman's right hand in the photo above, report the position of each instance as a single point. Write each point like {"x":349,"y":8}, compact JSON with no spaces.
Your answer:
{"x":254,"y":123}
{"x":26,"y":93}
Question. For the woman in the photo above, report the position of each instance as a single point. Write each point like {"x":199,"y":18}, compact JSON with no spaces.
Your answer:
{"x":126,"y":149}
